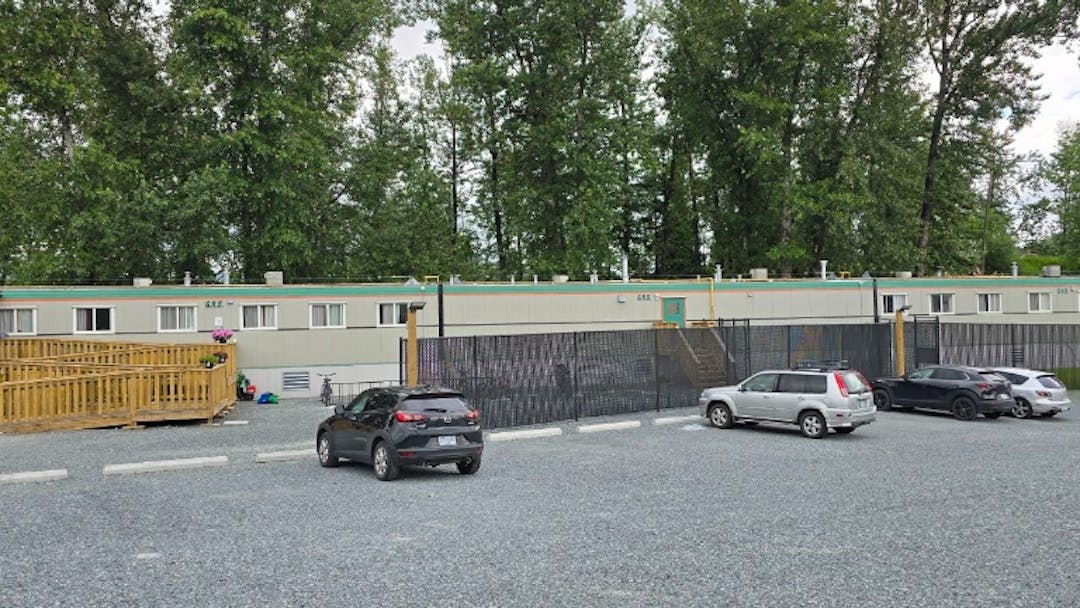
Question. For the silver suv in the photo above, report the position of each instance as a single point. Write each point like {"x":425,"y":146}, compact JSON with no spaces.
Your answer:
{"x":815,"y":398}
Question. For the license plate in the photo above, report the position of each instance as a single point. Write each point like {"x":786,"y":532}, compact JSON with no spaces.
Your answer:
{"x":1003,"y":396}
{"x":447,"y":439}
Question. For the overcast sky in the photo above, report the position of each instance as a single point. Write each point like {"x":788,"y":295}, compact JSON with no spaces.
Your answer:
{"x":1059,"y":68}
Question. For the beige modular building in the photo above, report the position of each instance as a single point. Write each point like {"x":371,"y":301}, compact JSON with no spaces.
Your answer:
{"x":288,"y":334}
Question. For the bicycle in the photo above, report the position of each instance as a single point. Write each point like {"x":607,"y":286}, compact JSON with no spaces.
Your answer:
{"x":327,"y":391}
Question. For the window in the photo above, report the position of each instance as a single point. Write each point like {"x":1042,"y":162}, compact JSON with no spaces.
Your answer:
{"x":989,"y":302}
{"x":892,"y":302}
{"x":18,"y":321}
{"x":327,"y":315}
{"x":801,"y":383}
{"x":761,"y":383}
{"x":258,"y":316}
{"x":176,"y":318}
{"x":941,"y":303}
{"x":94,"y":320}
{"x":393,"y":313}
{"x":1039,"y":301}
{"x":944,"y":373}
{"x":921,"y":374}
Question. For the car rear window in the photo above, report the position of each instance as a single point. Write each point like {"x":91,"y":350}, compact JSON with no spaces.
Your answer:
{"x":854,"y":382}
{"x":434,"y":403}
{"x":1050,"y":381}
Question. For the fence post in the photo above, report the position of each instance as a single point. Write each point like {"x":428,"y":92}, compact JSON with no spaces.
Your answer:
{"x":656,"y":365}
{"x":574,"y":381}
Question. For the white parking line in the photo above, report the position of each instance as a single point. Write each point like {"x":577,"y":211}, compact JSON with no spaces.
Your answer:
{"x":235,"y":422}
{"x":33,"y":476}
{"x":531,"y":433}
{"x":284,"y":455}
{"x":675,"y":420}
{"x":153,"y":466}
{"x":609,"y":426}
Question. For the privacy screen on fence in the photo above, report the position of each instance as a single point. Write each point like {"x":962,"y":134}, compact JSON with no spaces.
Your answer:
{"x":533,"y":378}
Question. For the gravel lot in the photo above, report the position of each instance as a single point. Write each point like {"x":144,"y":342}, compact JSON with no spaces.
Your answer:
{"x":914,"y":510}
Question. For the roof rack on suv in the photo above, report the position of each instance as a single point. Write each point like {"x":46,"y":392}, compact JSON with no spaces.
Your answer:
{"x":823,"y":365}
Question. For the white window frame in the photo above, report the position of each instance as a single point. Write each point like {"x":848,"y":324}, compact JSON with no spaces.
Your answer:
{"x":892,"y":301}
{"x":15,"y":310}
{"x":995,"y":295}
{"x":400,"y":306}
{"x":260,"y":327}
{"x":942,"y":296}
{"x":194,"y":319}
{"x":311,"y":315}
{"x":1049,"y":301}
{"x":83,"y":332}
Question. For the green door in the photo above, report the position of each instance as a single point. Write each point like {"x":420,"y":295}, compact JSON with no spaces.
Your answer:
{"x":674,"y":310}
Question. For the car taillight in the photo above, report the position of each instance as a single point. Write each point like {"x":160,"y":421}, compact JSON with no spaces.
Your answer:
{"x":409,"y":417}
{"x":982,"y":385}
{"x":840,"y":383}
{"x":1043,"y":393}
{"x":472,"y":415}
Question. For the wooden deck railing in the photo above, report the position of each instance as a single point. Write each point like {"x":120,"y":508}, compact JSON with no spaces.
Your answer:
{"x":122,"y":384}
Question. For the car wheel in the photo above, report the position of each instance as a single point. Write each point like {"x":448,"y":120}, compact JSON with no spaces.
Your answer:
{"x":1022,"y":409}
{"x":964,"y":408}
{"x":383,"y":462}
{"x":325,"y":447}
{"x":845,"y":430}
{"x":882,"y":400}
{"x":992,"y":415}
{"x":470,"y":466}
{"x":720,"y":416}
{"x":812,"y":424}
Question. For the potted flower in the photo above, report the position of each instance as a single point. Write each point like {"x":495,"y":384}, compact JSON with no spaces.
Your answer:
{"x":221,"y":334}
{"x":208,"y":361}
{"x":221,"y":356}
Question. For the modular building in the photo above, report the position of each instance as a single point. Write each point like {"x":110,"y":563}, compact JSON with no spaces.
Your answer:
{"x":287,"y":334}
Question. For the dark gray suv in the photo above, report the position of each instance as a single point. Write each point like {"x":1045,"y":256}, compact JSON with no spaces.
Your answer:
{"x":966,"y":392}
{"x":394,"y":426}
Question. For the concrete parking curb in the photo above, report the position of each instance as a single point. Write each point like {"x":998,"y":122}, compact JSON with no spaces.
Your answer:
{"x":527,"y":434}
{"x":285,"y":455}
{"x":609,"y":426}
{"x":675,"y":420}
{"x":153,"y":466}
{"x":33,"y":476}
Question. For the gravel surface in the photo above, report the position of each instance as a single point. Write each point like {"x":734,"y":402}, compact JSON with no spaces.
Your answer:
{"x":914,"y":510}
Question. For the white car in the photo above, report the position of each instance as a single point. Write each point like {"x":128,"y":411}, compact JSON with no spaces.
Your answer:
{"x":1037,"y":393}
{"x":816,"y":399}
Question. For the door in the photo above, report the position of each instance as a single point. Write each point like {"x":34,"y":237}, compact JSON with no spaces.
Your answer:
{"x":376,"y":411}
{"x":674,"y":310}
{"x":754,"y":399}
{"x":344,"y":428}
{"x":940,"y":386}
{"x":911,"y":390}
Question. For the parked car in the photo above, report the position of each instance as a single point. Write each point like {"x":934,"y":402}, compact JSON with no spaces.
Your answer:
{"x":964,"y":391}
{"x":1036,"y":393}
{"x":394,"y":426}
{"x":815,"y":398}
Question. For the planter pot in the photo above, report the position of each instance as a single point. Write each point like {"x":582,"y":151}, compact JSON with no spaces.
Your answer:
{"x":209,"y":365}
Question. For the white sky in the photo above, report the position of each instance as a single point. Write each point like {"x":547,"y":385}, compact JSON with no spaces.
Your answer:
{"x":1060,"y":70}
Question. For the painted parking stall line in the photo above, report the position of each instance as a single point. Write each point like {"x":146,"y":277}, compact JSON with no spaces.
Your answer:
{"x":527,"y":434}
{"x":33,"y":476}
{"x":285,"y":455}
{"x":609,"y":426}
{"x":155,"y":466}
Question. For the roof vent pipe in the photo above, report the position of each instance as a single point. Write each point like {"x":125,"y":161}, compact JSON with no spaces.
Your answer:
{"x":824,"y":266}
{"x":187,"y":278}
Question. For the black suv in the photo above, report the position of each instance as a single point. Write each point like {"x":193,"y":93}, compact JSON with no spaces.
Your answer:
{"x":394,"y":426}
{"x":964,"y":391}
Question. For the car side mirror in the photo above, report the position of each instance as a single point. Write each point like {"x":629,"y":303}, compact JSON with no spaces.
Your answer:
{"x":742,"y":389}
{"x":339,"y":409}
